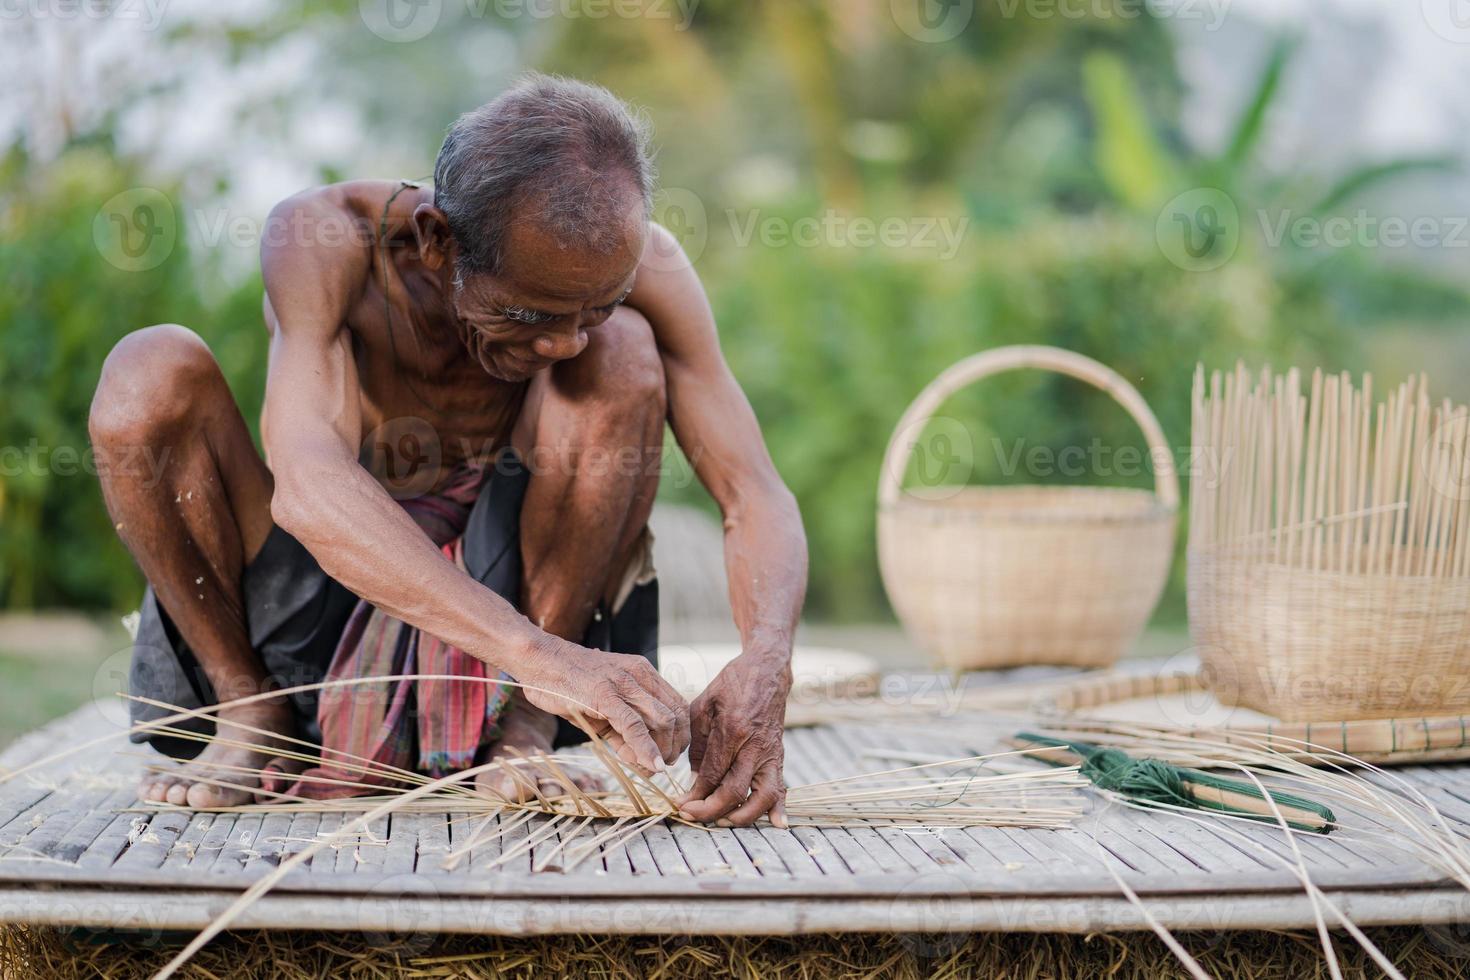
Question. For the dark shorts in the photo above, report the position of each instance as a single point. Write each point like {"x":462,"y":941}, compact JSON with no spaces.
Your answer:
{"x":295,"y":614}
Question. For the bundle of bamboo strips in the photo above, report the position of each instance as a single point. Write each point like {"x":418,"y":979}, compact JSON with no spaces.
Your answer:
{"x":1329,"y":566}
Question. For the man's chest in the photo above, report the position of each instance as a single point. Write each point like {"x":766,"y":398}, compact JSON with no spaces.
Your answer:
{"x":426,"y":411}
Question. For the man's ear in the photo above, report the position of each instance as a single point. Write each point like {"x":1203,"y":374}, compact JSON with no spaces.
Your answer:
{"x":431,"y":232}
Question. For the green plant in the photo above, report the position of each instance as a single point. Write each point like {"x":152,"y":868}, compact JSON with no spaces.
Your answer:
{"x":63,"y":307}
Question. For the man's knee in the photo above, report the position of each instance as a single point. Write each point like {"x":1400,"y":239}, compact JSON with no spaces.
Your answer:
{"x":623,"y":367}
{"x":152,"y":382}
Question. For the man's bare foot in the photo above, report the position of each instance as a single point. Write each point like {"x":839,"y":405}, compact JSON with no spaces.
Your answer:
{"x":530,"y":731}
{"x":182,"y":786}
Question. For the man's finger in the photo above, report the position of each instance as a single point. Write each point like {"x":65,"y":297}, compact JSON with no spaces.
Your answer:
{"x":730,"y":793}
{"x":719,"y":756}
{"x":766,"y":793}
{"x":675,"y":702}
{"x":659,"y":686}
{"x":660,"y":722}
{"x":622,"y":750}
{"x":699,"y":729}
{"x":638,"y":746}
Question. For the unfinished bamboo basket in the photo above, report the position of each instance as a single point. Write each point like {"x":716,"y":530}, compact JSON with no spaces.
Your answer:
{"x":987,"y":577}
{"x":1329,"y":569}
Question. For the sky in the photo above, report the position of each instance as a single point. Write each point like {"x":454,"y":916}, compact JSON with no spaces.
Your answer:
{"x":1374,"y":77}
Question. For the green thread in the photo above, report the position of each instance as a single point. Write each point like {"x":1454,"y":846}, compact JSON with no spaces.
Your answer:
{"x":1155,"y":782}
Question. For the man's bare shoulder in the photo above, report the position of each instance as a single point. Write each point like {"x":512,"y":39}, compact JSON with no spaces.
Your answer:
{"x":364,"y":198}
{"x":669,"y":293}
{"x":353,"y":212}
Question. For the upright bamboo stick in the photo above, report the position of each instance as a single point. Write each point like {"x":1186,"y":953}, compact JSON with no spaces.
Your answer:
{"x":1333,"y":546}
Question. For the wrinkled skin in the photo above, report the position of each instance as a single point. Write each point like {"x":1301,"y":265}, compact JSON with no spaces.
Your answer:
{"x":736,"y":747}
{"x":571,"y":356}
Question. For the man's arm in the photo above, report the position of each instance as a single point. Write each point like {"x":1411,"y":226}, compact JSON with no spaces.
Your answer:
{"x":364,"y":540}
{"x":738,"y":722}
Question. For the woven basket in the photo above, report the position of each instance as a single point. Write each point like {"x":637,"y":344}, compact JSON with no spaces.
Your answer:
{"x":985,"y":577}
{"x":1329,"y":568}
{"x":1306,"y":645}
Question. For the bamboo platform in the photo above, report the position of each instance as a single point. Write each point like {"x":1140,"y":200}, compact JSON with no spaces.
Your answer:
{"x":76,"y":849}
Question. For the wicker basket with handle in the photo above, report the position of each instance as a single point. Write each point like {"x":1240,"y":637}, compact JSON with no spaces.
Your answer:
{"x":986,"y":577}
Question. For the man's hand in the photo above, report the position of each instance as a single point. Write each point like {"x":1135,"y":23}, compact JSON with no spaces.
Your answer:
{"x":633,"y":708}
{"x":737,"y":751}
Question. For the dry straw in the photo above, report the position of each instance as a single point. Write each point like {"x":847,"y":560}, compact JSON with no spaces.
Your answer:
{"x":1329,"y":567}
{"x":28,"y":951}
{"x":1003,"y":576}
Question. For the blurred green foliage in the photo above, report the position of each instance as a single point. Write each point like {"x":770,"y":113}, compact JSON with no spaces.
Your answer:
{"x":1055,"y":141}
{"x":62,"y":308}
{"x":833,"y":347}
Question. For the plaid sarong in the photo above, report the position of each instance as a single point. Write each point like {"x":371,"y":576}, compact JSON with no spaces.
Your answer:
{"x":429,"y":726}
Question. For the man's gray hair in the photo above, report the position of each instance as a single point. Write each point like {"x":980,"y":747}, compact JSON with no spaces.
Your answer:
{"x":571,"y":150}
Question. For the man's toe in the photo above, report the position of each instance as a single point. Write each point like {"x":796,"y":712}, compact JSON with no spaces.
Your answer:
{"x":554,"y":787}
{"x":177,"y":794}
{"x":589,"y":782}
{"x":502,"y":787}
{"x":201,"y":796}
{"x":155,"y":790}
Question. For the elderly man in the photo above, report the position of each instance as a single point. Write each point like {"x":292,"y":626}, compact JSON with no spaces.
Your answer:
{"x":464,"y":414}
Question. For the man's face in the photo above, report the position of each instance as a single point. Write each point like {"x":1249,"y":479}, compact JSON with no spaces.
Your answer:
{"x":538,"y":307}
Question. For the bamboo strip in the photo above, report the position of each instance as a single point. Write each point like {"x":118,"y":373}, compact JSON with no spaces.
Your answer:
{"x":1329,"y":569}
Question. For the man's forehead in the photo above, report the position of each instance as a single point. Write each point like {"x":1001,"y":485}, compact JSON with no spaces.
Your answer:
{"x":553,"y":283}
{"x":535,"y":267}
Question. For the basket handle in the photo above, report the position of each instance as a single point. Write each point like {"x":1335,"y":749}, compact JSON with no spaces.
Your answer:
{"x":977,"y":366}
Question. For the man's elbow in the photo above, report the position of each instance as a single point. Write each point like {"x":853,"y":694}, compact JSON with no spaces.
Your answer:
{"x":766,"y":500}
{"x":299,"y":509}
{"x":289,"y":511}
